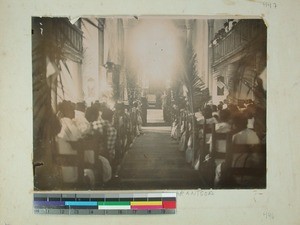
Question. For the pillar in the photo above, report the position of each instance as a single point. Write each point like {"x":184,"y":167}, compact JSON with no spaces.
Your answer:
{"x":189,"y":28}
{"x":124,"y":68}
{"x":230,"y":73}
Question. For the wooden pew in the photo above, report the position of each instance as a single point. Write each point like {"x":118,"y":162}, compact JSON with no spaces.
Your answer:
{"x":216,"y":153}
{"x":246,"y":166}
{"x":207,"y":130}
{"x":206,"y":168}
{"x":77,"y":160}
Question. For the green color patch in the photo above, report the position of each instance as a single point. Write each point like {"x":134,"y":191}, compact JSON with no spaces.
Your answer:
{"x":114,"y":203}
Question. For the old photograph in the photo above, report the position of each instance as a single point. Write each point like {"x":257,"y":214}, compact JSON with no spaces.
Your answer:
{"x":149,"y":103}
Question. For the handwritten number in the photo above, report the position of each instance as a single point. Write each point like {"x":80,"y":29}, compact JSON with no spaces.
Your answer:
{"x":270,"y":5}
{"x":268,"y":215}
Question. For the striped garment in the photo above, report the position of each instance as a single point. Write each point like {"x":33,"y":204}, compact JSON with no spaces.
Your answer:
{"x":111,"y":134}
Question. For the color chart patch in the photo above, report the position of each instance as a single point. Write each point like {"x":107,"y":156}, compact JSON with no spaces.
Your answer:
{"x":105,"y":204}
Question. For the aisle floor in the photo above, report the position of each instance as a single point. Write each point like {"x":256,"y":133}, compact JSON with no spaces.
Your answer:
{"x":154,"y":162}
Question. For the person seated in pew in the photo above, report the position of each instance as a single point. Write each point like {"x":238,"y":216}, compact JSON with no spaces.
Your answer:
{"x":243,"y":135}
{"x":81,"y":122}
{"x":104,"y":126}
{"x":129,"y":129}
{"x":215,"y":112}
{"x":100,"y":126}
{"x":222,"y":127}
{"x":105,"y":122}
{"x":207,"y":119}
{"x":249,"y":111}
{"x":78,"y":129}
{"x":84,"y":127}
{"x":69,"y":132}
{"x":207,"y":116}
{"x":121,"y":124}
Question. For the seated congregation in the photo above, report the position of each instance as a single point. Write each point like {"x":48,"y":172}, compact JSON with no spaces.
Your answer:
{"x":225,"y":143}
{"x":92,"y":142}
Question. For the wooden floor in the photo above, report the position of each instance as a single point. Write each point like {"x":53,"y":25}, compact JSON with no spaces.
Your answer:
{"x":154,"y":162}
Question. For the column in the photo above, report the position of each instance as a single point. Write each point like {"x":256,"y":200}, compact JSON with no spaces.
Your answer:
{"x":212,"y":88}
{"x":231,"y":70}
{"x":189,"y":27}
{"x":101,"y":68}
{"x":124,"y":68}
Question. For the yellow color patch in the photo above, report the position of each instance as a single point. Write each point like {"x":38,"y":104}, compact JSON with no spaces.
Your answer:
{"x":146,"y":203}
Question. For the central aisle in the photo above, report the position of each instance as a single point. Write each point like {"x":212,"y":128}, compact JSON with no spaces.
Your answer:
{"x":154,"y":162}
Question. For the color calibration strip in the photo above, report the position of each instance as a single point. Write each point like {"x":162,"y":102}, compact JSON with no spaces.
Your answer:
{"x":105,"y":204}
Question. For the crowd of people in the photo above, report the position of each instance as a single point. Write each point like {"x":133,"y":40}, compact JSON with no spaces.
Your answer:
{"x":223,"y":32}
{"x":112,"y":132}
{"x":245,"y":122}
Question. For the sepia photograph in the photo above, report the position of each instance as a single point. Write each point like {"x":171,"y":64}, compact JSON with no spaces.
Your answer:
{"x":149,"y":103}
